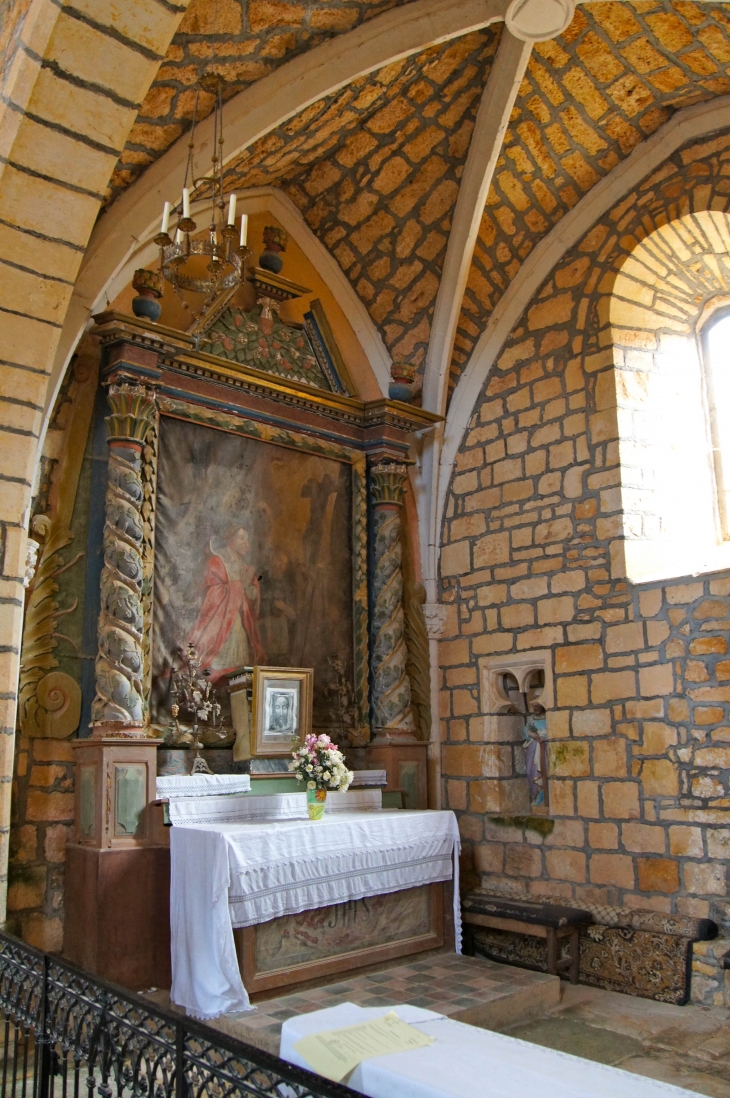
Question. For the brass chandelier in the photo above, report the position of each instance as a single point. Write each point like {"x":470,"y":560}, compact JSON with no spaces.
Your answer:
{"x":224,"y":245}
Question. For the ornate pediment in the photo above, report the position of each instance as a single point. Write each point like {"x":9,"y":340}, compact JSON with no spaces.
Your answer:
{"x":262,"y":340}
{"x":283,"y":349}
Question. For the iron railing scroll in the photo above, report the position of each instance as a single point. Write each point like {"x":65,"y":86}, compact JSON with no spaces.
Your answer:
{"x":67,"y":1034}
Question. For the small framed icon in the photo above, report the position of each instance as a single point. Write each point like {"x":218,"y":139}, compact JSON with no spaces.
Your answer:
{"x":282,"y":708}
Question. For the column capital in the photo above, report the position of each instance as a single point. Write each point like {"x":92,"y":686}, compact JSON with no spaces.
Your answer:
{"x":133,"y":410}
{"x":387,"y":482}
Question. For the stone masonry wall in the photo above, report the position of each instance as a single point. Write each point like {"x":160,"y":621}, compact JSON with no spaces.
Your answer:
{"x":41,"y":825}
{"x":639,"y":735}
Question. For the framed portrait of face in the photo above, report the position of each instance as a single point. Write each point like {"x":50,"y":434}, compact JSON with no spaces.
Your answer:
{"x":282,"y":709}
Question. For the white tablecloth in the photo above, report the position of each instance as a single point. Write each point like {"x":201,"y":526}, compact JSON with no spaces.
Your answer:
{"x":233,"y":875}
{"x":465,"y":1060}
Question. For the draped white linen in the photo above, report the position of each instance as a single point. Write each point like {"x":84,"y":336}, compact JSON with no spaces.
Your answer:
{"x":465,"y":1060}
{"x":233,"y":875}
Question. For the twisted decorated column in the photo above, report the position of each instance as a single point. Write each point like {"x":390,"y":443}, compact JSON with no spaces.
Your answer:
{"x":119,"y":708}
{"x":391,"y":688}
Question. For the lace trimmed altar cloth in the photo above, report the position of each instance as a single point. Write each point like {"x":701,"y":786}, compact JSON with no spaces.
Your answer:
{"x":228,"y":875}
{"x":208,"y":798}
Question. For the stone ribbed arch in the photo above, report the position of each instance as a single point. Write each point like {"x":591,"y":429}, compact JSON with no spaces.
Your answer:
{"x":652,"y":169}
{"x":252,"y":114}
{"x":64,"y":119}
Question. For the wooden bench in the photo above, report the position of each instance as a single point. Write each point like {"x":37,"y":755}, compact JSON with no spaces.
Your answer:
{"x":550,"y":921}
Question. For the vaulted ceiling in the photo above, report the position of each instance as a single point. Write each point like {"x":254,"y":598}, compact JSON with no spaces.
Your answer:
{"x":375,"y":168}
{"x":588,"y":99}
{"x":242,"y":40}
{"x":375,"y":171}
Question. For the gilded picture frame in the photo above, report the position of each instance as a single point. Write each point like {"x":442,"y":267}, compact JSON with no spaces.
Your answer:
{"x":282,"y":709}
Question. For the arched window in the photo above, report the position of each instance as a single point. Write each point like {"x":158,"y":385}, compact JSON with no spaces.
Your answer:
{"x":716,"y":356}
{"x":669,"y":315}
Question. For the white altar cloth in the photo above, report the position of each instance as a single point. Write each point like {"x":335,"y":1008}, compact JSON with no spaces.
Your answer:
{"x":466,"y":1060}
{"x":233,"y":875}
{"x":203,"y":798}
{"x":201,"y":785}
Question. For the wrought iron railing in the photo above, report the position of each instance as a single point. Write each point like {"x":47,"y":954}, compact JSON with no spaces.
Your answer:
{"x":63,"y":1029}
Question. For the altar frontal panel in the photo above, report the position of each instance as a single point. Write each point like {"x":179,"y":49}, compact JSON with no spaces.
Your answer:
{"x":341,"y":937}
{"x":253,"y":558}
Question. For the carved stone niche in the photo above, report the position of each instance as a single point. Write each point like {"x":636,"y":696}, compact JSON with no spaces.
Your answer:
{"x":504,"y":681}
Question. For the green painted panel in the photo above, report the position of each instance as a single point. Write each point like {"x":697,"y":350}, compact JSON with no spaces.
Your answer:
{"x":131,"y":798}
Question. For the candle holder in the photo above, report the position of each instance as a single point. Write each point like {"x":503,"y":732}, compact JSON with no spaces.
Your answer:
{"x":192,"y":693}
{"x":224,"y":247}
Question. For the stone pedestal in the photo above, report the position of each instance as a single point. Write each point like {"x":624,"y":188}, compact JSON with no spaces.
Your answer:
{"x":117,"y":871}
{"x":710,"y":979}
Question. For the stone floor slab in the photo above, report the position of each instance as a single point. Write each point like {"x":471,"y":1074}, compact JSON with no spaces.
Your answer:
{"x":688,"y":1046}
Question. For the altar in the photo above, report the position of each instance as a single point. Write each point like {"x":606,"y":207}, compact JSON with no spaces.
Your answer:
{"x":233,"y":885}
{"x":258,"y":524}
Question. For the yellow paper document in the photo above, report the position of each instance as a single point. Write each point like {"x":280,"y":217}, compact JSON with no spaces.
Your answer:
{"x":336,"y":1052}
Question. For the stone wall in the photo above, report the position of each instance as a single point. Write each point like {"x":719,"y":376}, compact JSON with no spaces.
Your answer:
{"x":639,"y":733}
{"x":43,"y":813}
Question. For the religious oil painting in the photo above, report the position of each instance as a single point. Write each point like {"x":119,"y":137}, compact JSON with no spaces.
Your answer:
{"x":253,"y":565}
{"x":282,"y":702}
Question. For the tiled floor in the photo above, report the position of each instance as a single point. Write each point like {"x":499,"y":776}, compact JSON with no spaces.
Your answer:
{"x":688,"y":1046}
{"x":467,"y":988}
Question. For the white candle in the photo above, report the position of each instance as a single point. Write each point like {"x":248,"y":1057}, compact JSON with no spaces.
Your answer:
{"x":232,"y":210}
{"x":244,"y":229}
{"x":165,"y":218}
{"x":178,"y":236}
{"x":186,"y":202}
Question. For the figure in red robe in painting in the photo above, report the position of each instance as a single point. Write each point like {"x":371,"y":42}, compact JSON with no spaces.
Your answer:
{"x":226,"y":634}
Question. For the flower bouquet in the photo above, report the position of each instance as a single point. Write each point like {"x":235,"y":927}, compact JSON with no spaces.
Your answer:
{"x":320,"y":764}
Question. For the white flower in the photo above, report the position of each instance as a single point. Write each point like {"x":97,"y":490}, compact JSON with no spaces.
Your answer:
{"x":311,"y":785}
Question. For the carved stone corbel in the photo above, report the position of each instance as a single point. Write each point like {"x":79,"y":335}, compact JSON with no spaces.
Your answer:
{"x":119,"y":707}
{"x":435,"y":615}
